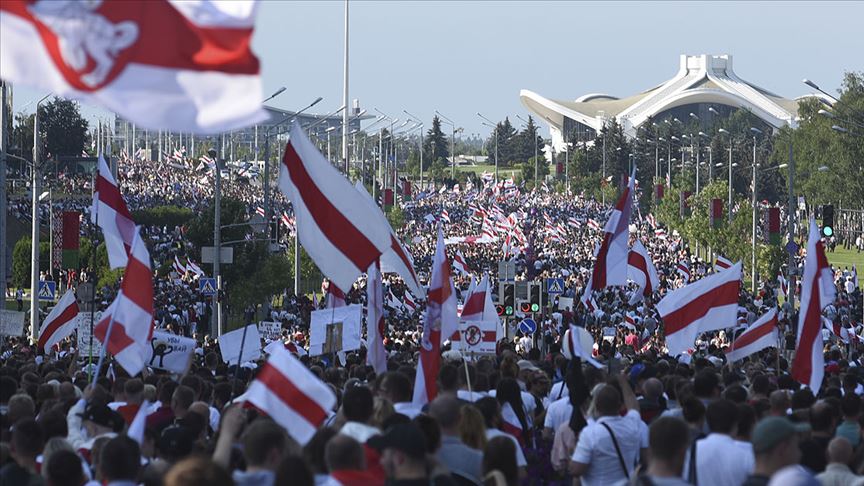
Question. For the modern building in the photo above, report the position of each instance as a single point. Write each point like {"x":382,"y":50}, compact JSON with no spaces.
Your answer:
{"x":702,"y":82}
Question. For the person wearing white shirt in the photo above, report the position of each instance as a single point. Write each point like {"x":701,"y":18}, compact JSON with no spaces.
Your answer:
{"x":491,"y":410}
{"x":608,"y":449}
{"x":557,"y":413}
{"x":720,"y":459}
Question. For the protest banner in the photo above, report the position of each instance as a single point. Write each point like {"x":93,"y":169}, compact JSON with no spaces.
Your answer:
{"x":170,"y":352}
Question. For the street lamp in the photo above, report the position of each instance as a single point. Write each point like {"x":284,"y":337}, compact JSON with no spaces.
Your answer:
{"x":419,"y":145}
{"x":495,"y":127}
{"x":34,"y":239}
{"x":277,"y":93}
{"x":723,"y":131}
{"x":453,"y":131}
{"x":755,"y":132}
{"x":817,"y":88}
{"x":328,"y":132}
{"x":217,"y":235}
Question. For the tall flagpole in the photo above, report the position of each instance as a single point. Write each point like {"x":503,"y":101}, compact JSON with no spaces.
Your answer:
{"x":347,"y":110}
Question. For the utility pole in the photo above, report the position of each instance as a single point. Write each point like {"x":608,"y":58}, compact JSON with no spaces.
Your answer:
{"x":216,"y":155}
{"x":4,"y":143}
{"x":346,"y":112}
{"x":34,"y":238}
{"x":790,"y":270}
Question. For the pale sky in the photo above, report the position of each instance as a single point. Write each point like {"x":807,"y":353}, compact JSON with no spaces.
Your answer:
{"x":467,"y":57}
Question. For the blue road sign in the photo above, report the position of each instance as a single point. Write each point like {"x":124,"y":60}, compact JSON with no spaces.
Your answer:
{"x":47,"y":290}
{"x":792,"y":247}
{"x":555,"y":285}
{"x":207,"y":286}
{"x":528,"y":326}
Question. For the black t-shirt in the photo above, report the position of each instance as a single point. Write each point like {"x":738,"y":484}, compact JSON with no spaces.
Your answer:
{"x":813,"y":453}
{"x":756,"y":480}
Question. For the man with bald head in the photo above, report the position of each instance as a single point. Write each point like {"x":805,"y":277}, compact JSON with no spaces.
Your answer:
{"x":837,"y":472}
{"x":650,"y":404}
{"x":779,"y":402}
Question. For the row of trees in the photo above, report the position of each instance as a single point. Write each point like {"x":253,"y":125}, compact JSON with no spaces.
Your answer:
{"x":63,"y":131}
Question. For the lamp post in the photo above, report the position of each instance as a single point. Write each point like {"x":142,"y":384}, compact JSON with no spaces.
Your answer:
{"x":453,"y":131}
{"x":328,"y":132}
{"x":729,"y":202}
{"x":419,"y":145}
{"x":755,"y":132}
{"x":495,"y":127}
{"x":34,"y":250}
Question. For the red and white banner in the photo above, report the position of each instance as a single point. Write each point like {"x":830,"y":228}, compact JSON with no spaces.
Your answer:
{"x":334,"y":297}
{"x":111,"y":214}
{"x":439,"y":324}
{"x":762,"y":334}
{"x":722,"y":263}
{"x":510,"y":422}
{"x":610,"y":267}
{"x":475,"y":336}
{"x":640,"y":269}
{"x":130,"y":316}
{"x":292,"y":395}
{"x":708,"y":304}
{"x":338,"y":228}
{"x":61,"y":321}
{"x":683,"y":269}
{"x":817,"y":291}
{"x":409,"y":302}
{"x":459,"y":263}
{"x":162,"y":64}
{"x":376,"y":357}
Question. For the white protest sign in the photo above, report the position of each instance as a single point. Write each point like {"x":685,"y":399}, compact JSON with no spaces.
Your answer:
{"x":333,"y":330}
{"x":84,"y":334}
{"x":565,"y":302}
{"x":609,"y":333}
{"x":11,"y":323}
{"x":170,"y":352}
{"x":476,"y":337}
{"x":229,"y":345}
{"x":270,"y":330}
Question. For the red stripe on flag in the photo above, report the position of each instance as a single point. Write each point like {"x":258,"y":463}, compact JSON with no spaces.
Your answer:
{"x":751,"y":336}
{"x":636,"y":260}
{"x":138,"y":284}
{"x":726,"y":294}
{"x":341,"y":233}
{"x":600,"y":265}
{"x":802,"y":366}
{"x":67,"y":315}
{"x":119,"y":339}
{"x":402,"y":256}
{"x":293,"y":397}
{"x":110,"y":195}
{"x":71,"y":230}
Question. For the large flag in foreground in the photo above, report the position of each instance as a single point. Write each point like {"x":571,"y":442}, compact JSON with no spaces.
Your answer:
{"x":61,"y":322}
{"x":706,"y":305}
{"x":129,"y":319}
{"x":610,"y":268}
{"x":640,"y":269}
{"x":111,"y":214}
{"x":338,"y":228}
{"x":817,"y":291}
{"x":162,"y":64}
{"x":760,"y":335}
{"x":440,"y":323}
{"x":291,"y":394}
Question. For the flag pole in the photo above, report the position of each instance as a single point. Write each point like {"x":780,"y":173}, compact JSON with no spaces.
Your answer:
{"x":93,"y":279}
{"x":107,"y":336}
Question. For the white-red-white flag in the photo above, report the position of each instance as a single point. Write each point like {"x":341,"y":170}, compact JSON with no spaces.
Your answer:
{"x":111,"y":214}
{"x":762,"y":334}
{"x":376,"y":356}
{"x":337,"y":226}
{"x":610,"y":267}
{"x":335,"y":297}
{"x":179,"y":267}
{"x":683,"y":269}
{"x":440,"y":323}
{"x":640,"y":269}
{"x":817,"y":291}
{"x":459,"y":263}
{"x":409,"y":302}
{"x":705,"y":305}
{"x":162,"y":64}
{"x":510,"y":422}
{"x":445,"y":216}
{"x":61,"y":321}
{"x":129,"y":319}
{"x":474,"y":306}
{"x":722,"y":263}
{"x":291,"y":395}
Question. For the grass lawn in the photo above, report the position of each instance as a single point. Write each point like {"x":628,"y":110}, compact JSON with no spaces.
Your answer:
{"x":846,"y":258}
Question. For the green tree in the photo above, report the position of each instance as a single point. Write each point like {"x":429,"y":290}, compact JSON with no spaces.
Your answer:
{"x":21,"y":142}
{"x":526,"y":141}
{"x":63,"y":130}
{"x":435,"y":146}
{"x":507,"y":143}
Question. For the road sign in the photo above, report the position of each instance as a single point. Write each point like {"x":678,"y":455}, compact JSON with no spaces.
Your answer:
{"x":555,"y":285}
{"x":207,"y":286}
{"x":528,"y":326}
{"x":47,"y":290}
{"x":208,"y":254}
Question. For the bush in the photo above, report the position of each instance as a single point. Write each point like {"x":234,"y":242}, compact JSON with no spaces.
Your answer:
{"x":21,"y":261}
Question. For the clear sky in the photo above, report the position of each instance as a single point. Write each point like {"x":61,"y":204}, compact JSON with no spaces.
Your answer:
{"x":466,"y":57}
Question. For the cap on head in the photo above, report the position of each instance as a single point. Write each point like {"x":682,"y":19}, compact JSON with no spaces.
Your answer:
{"x":771,"y":431}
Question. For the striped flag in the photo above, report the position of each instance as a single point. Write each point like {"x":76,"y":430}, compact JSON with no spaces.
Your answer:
{"x":445,"y":216}
{"x":705,"y":305}
{"x":440,"y":322}
{"x":409,"y":302}
{"x":376,"y":356}
{"x":192,"y":267}
{"x":111,"y":214}
{"x":817,"y":291}
{"x":61,"y":322}
{"x":459,"y":263}
{"x":683,"y":268}
{"x":722,"y":263}
{"x":179,"y":267}
{"x":338,"y":227}
{"x":292,"y":395}
{"x":260,"y":212}
{"x":191,"y":70}
{"x":334,"y":297}
{"x":610,"y":267}
{"x":640,"y":269}
{"x":127,"y":324}
{"x":784,"y":285}
{"x":660,"y":233}
{"x":762,"y":334}
{"x":651,"y":220}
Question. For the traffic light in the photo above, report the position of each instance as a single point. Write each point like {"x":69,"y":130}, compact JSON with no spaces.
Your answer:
{"x":509,"y":299}
{"x":534,"y":291}
{"x":828,"y":220}
{"x":499,"y":309}
{"x":525,"y":307}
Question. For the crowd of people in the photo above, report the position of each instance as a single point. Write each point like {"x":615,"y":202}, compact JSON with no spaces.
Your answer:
{"x":525,"y":415}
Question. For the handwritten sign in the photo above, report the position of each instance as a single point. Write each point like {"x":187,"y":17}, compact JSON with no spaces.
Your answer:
{"x":170,"y":352}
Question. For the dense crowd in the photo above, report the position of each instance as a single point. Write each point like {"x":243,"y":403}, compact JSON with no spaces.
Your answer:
{"x":525,"y":415}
